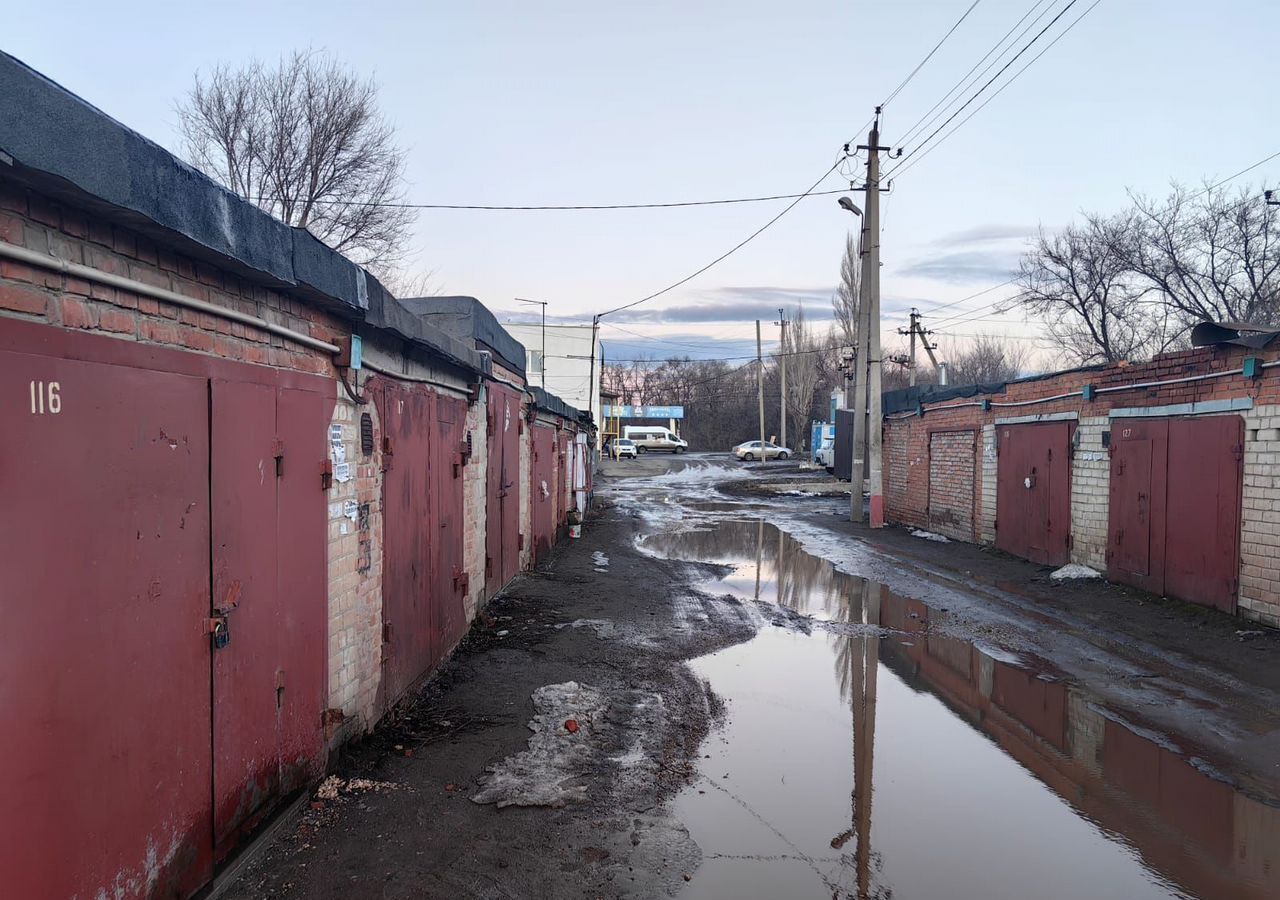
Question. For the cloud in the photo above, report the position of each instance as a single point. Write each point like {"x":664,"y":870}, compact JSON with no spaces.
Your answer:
{"x":983,"y":234}
{"x":964,"y":266}
{"x":735,"y":304}
{"x":981,"y":253}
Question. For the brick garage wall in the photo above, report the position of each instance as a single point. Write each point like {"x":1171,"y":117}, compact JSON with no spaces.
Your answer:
{"x":475,"y":495}
{"x":987,"y":485}
{"x":905,"y":441}
{"x":1260,"y":517}
{"x":897,"y":467}
{"x":355,"y":570}
{"x":906,"y":462}
{"x":1090,"y":493}
{"x":30,"y":220}
{"x":951,"y":483}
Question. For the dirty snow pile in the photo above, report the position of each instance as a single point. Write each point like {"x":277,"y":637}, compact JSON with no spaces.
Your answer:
{"x":601,"y":561}
{"x":333,"y":786}
{"x":929,"y":536}
{"x":578,"y":732}
{"x":1074,"y":570}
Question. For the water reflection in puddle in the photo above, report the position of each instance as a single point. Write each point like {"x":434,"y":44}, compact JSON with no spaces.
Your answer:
{"x":913,"y":764}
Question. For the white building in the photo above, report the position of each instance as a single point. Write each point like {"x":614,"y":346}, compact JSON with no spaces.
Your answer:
{"x":564,"y":368}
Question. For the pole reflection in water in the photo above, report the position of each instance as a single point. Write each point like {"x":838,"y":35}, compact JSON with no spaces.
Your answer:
{"x":996,"y":778}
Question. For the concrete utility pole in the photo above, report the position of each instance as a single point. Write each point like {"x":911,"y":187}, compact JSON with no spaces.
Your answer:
{"x":782,"y":374}
{"x":760,"y":388}
{"x":915,"y":323}
{"x":867,"y":412}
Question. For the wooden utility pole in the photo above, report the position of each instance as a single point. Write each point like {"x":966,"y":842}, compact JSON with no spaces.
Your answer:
{"x":782,"y":375}
{"x":760,"y":389}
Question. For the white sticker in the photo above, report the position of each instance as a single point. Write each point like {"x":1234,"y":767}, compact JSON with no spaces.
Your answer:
{"x":335,"y":433}
{"x":335,"y":510}
{"x":351,"y":510}
{"x":343,"y":528}
{"x":339,"y":452}
{"x":342,"y":472}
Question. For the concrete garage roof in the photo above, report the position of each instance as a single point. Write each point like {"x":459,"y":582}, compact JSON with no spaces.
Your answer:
{"x":71,"y":150}
{"x":467,"y":319}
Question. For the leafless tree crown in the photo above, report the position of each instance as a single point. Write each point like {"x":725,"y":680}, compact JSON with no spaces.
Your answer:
{"x":1132,"y":285}
{"x":845,"y":301}
{"x":305,"y":141}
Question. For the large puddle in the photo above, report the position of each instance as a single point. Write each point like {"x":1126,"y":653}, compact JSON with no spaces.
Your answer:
{"x":874,"y":755}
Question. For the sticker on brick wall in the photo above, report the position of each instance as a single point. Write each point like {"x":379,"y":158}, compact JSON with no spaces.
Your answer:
{"x":342,"y":472}
{"x":335,"y":510}
{"x":351,"y":510}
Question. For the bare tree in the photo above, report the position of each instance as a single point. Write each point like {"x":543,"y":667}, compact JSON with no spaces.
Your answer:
{"x":988,"y":358}
{"x":305,"y":141}
{"x":844,"y":303}
{"x":1210,"y":255}
{"x":1081,"y":285}
{"x":801,"y":348}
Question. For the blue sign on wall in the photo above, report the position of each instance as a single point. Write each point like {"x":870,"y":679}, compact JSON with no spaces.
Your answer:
{"x":644,"y":412}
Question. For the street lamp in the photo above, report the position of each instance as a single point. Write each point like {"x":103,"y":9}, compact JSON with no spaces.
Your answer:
{"x":846,"y":203}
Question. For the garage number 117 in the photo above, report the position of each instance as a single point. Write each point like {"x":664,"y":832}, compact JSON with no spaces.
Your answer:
{"x":46,"y":398}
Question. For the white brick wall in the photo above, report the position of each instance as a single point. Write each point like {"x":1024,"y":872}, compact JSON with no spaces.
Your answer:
{"x":355,"y":572}
{"x":987,"y":509}
{"x":1260,"y":517}
{"x":1090,"y":493}
{"x":475,"y":478}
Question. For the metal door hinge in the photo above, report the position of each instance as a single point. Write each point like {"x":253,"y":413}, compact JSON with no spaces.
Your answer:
{"x":277,"y":450}
{"x":326,"y":474}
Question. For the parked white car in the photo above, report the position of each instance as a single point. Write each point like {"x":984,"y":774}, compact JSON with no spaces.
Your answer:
{"x":624,"y":448}
{"x":826,"y":455}
{"x":750,"y":450}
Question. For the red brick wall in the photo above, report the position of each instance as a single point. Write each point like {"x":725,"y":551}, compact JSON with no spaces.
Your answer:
{"x":952,"y":499}
{"x":30,"y":220}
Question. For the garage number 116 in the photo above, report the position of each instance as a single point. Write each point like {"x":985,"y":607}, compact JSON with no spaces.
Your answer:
{"x":46,"y":397}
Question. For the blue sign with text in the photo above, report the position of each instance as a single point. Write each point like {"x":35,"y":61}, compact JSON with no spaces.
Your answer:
{"x":628,"y":411}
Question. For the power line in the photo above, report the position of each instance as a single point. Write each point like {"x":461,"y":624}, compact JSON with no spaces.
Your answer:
{"x":732,"y":250}
{"x":569,"y":207}
{"x":905,"y":167}
{"x":1025,"y":47}
{"x":960,"y":85}
{"x":929,"y":56}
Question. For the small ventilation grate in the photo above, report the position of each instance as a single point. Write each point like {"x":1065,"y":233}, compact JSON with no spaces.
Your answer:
{"x":366,"y":434}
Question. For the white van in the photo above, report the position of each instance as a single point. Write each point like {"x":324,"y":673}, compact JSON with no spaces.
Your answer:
{"x":654,"y":437}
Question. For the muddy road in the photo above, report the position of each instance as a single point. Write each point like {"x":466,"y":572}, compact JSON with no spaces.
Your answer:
{"x":723,"y":689}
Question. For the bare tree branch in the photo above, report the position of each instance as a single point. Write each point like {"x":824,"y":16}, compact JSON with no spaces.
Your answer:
{"x":305,"y":141}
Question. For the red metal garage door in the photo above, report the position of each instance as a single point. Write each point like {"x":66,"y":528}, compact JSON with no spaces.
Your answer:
{"x":1175,"y":507}
{"x":104,"y":659}
{"x":410,"y":636}
{"x":1033,"y":493}
{"x":449,"y":576}
{"x":502,"y":536}
{"x":269,"y":581}
{"x":544,"y":490}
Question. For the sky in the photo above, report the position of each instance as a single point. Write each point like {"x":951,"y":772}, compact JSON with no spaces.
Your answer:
{"x":504,"y":103}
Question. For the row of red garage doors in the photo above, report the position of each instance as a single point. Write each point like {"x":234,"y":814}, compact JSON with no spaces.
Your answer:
{"x":1173,"y":504}
{"x":163,"y":665}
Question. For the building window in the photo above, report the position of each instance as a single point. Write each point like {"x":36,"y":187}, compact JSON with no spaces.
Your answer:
{"x":535,"y":360}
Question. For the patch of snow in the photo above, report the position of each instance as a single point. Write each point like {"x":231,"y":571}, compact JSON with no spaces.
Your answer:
{"x":601,"y":561}
{"x":929,"y":536}
{"x":1074,"y":570}
{"x":558,"y":765}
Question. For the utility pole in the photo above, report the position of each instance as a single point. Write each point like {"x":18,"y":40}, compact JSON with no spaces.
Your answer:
{"x":915,"y":323}
{"x":867,"y":412}
{"x":782,"y":374}
{"x":760,"y":389}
